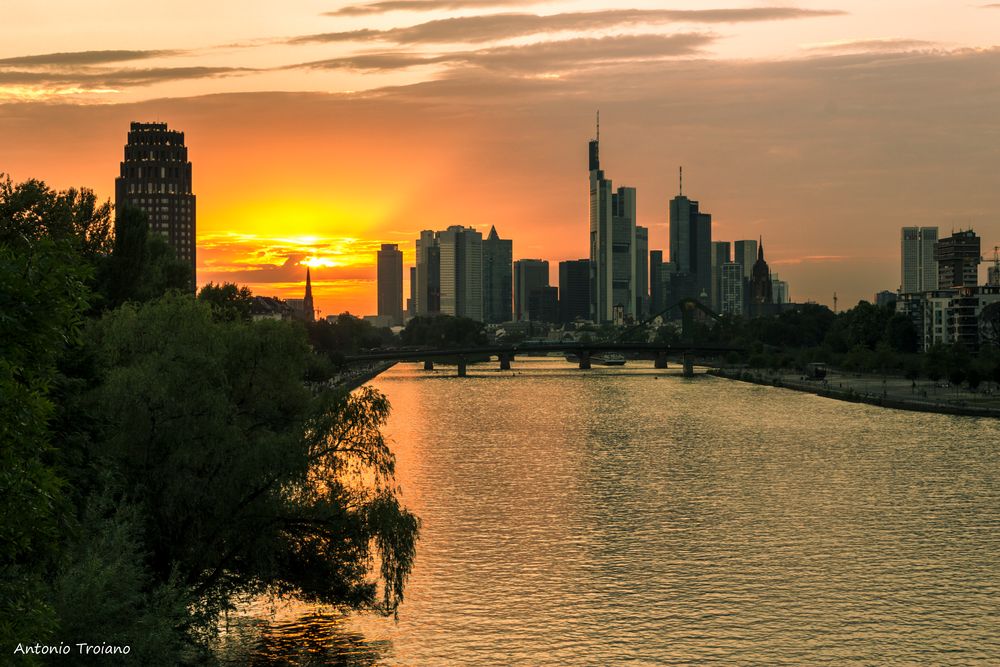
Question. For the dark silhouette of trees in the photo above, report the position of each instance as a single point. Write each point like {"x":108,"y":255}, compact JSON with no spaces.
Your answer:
{"x":229,"y":302}
{"x":162,"y":454}
{"x":443,"y":331}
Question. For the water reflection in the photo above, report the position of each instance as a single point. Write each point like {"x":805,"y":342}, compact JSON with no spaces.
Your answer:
{"x":630,"y":515}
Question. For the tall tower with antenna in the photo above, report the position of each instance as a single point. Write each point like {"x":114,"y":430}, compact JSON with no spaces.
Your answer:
{"x":613,"y":242}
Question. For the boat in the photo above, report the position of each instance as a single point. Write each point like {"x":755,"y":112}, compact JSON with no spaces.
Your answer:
{"x":608,"y":359}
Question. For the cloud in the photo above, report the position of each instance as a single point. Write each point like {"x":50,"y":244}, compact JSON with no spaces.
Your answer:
{"x":112,"y":78}
{"x":425,"y":6}
{"x":870,"y":45}
{"x":493,"y":27}
{"x":83,"y":58}
{"x":825,"y":155}
{"x":542,"y":57}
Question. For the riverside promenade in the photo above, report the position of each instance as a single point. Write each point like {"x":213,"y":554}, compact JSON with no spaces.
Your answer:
{"x":885,"y":391}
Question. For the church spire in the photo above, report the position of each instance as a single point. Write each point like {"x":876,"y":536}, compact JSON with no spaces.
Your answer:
{"x":307,"y":303}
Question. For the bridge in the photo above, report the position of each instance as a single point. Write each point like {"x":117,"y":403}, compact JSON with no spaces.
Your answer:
{"x":584,"y":351}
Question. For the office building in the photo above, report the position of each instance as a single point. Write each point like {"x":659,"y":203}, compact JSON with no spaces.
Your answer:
{"x":691,"y":249}
{"x":731,"y":289}
{"x":155,"y":177}
{"x":745,"y":254}
{"x":656,"y":294}
{"x":640,"y":274}
{"x":720,"y":256}
{"x":779,"y":290}
{"x":993,"y":275}
{"x":919,"y":269}
{"x":958,"y":258}
{"x":574,"y":290}
{"x":411,"y":303}
{"x":390,"y":284}
{"x":498,"y":258}
{"x":624,"y":251}
{"x":530,"y":275}
{"x":461,"y":261}
{"x":543,"y":305}
{"x":612,"y":243}
{"x":427,"y":294}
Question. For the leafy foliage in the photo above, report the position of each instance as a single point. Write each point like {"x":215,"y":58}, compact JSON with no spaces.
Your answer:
{"x":347,"y":335}
{"x":239,"y":468}
{"x":167,"y":455}
{"x":229,"y":302}
{"x":443,"y":331}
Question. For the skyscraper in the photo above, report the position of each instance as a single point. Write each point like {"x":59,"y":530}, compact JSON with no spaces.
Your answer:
{"x":574,"y":290}
{"x":958,"y":258}
{"x":411,"y":303}
{"x":745,"y":254}
{"x":461,"y":272}
{"x":427,"y":293}
{"x":624,"y":250}
{"x":390,"y":283}
{"x":155,"y":177}
{"x":498,"y":256}
{"x":612,"y":242}
{"x":656,"y":293}
{"x":530,"y":275}
{"x":720,"y":256}
{"x":691,"y":249}
{"x":543,"y":305}
{"x":918,"y":267}
{"x":641,"y":272}
{"x":779,"y":289}
{"x":731,"y":287}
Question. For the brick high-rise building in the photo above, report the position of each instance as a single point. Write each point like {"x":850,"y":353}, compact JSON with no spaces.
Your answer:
{"x":155,"y":177}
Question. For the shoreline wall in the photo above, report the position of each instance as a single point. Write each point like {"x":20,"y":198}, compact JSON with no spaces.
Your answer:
{"x":855,"y":397}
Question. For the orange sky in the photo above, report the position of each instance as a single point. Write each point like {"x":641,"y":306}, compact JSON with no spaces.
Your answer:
{"x":823,"y":127}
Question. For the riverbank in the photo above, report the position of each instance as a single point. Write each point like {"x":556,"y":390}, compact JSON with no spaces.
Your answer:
{"x":886,"y":392}
{"x":353,"y":378}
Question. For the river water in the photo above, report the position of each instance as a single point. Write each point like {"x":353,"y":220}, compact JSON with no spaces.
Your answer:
{"x":632,"y":516}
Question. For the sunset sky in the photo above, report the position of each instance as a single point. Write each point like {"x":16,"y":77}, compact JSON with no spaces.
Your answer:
{"x":319,"y":130}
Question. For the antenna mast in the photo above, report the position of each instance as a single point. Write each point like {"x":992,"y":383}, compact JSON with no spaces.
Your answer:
{"x":834,"y":303}
{"x":680,"y":185}
{"x":598,"y":126}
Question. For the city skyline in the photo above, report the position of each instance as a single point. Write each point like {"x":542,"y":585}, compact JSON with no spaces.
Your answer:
{"x":807,"y":125}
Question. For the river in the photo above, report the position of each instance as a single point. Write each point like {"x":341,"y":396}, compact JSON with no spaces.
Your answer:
{"x":632,"y":516}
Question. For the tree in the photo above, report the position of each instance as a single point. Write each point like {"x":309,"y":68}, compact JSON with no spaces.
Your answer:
{"x":142,"y":266}
{"x":31,"y":211}
{"x":347,"y":335}
{"x":42,"y":300}
{"x":989,"y":324}
{"x":901,"y":335}
{"x":443,"y":331}
{"x":974,"y":377}
{"x":246,"y":480}
{"x":229,"y":302}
